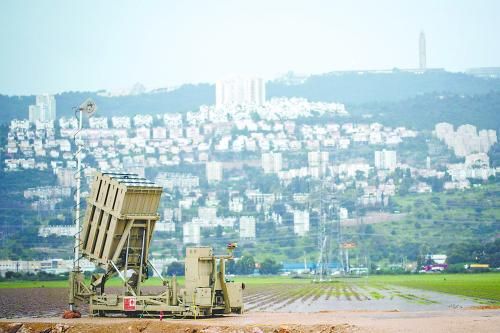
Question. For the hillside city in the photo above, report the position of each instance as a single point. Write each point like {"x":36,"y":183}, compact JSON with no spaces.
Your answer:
{"x":244,"y":169}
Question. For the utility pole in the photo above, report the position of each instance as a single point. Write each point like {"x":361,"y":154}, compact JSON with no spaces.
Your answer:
{"x":79,"y":147}
{"x":323,"y":237}
{"x":89,"y":108}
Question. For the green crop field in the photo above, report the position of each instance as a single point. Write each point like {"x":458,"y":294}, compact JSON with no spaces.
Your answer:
{"x":485,"y":286}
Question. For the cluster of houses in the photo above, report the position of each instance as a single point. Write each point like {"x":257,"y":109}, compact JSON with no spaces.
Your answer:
{"x":472,"y":145}
{"x":268,"y":135}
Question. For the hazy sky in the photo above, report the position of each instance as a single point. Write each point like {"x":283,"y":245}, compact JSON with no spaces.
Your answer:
{"x":54,"y":46}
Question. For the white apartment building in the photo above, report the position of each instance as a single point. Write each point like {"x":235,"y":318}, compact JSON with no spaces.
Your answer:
{"x":45,"y":192}
{"x":66,"y":123}
{"x":317,"y":162}
{"x":172,"y":120}
{"x":466,"y":140}
{"x":98,"y":122}
{"x":57,"y":230}
{"x":19,"y":266}
{"x":317,"y":158}
{"x":159,"y":132}
{"x":343,"y":213}
{"x":247,"y":227}
{"x":208,"y":215}
{"x":54,"y":266}
{"x":120,"y":122}
{"x":143,"y":133}
{"x":19,"y":125}
{"x":214,"y":171}
{"x":172,"y":214}
{"x":171,"y":180}
{"x":165,"y":226}
{"x":191,"y":233}
{"x":272,"y":162}
{"x":143,"y":120}
{"x":385,"y":160}
{"x":300,"y":222}
{"x":236,"y":204}
{"x":65,"y":177}
{"x":44,"y":109}
{"x":240,"y":91}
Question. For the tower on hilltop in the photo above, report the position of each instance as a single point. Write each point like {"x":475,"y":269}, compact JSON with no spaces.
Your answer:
{"x":422,"y":52}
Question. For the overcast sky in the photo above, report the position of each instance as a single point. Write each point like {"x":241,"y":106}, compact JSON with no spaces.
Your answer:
{"x":54,"y":46}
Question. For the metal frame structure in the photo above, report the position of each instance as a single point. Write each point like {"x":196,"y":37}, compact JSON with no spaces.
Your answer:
{"x":116,"y":235}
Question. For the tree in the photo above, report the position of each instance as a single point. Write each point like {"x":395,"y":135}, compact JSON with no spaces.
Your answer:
{"x":360,"y":175}
{"x":245,"y":265}
{"x":231,"y":267}
{"x":218,"y":231}
{"x":255,"y":116}
{"x":205,"y":233}
{"x":175,"y":268}
{"x":266,"y":183}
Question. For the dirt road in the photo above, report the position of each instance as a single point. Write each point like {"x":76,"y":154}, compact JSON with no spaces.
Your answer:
{"x":463,"y":320}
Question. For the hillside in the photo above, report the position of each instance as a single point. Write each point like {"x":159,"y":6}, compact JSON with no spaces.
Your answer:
{"x":482,"y":110}
{"x":396,"y":94}
{"x":360,"y":88}
{"x":186,"y":98}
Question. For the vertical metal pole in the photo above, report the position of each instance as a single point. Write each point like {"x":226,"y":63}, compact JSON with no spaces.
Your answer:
{"x":126,"y":257}
{"x":76,"y":263}
{"x":347,"y":260}
{"x":76,"y":260}
{"x":174,"y":290}
{"x":142,"y":262}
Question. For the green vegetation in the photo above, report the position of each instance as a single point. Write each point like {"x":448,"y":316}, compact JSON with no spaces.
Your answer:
{"x":480,"y":286}
{"x":33,"y":284}
{"x":461,"y":224}
{"x":269,"y":266}
{"x":484,"y":286}
{"x":479,"y":109}
{"x":376,"y":295}
{"x":278,"y":293}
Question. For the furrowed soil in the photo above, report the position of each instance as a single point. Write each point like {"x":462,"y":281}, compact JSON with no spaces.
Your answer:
{"x":354,"y":305}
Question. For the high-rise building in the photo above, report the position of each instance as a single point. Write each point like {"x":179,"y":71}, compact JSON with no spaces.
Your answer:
{"x":300,"y":222}
{"x":44,"y":109}
{"x":318,"y":162}
{"x":191,"y":233}
{"x":240,"y":91}
{"x":272,"y":162}
{"x":247,"y":227}
{"x":385,"y":160}
{"x":65,"y":177}
{"x":214,"y":171}
{"x":422,"y":52}
{"x":444,"y":131}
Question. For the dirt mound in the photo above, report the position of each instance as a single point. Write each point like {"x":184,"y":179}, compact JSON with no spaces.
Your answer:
{"x":157,"y":327}
{"x":485,"y":307}
{"x":33,"y":327}
{"x":68,"y":314}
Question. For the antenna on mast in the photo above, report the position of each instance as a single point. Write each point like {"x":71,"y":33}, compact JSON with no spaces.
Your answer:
{"x":89,"y":108}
